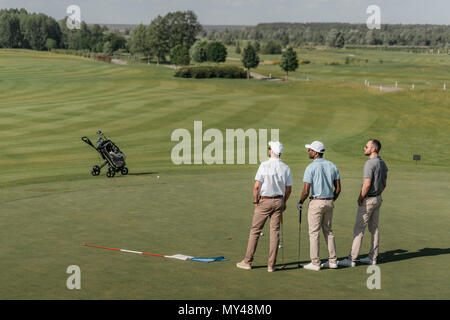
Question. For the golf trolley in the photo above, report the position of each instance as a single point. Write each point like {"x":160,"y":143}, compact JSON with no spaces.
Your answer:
{"x":109,"y":152}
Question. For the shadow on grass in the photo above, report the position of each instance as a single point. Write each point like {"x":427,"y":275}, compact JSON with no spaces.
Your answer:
{"x":285,"y":266}
{"x":141,"y":173}
{"x":386,"y":257}
{"x":400,"y":254}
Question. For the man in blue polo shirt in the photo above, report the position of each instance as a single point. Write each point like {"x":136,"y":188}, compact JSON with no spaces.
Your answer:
{"x":322,"y":179}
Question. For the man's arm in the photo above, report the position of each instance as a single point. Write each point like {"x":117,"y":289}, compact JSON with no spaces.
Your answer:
{"x":337,"y":188}
{"x":364,"y":190}
{"x":287,"y":193}
{"x":305,"y":192}
{"x":256,"y":191}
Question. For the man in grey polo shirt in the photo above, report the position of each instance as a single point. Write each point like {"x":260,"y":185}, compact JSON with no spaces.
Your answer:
{"x":322,"y":179}
{"x":369,"y":203}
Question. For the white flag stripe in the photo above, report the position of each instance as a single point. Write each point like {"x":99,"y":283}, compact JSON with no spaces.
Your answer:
{"x":180,"y":257}
{"x":130,"y":251}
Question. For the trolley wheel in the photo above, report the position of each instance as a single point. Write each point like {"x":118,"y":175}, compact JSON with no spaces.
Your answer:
{"x":95,"y":171}
{"x":110,"y":172}
{"x":124,"y":171}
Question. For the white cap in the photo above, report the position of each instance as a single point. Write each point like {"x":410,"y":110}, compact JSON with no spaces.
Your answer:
{"x":316,"y":146}
{"x":276,"y":147}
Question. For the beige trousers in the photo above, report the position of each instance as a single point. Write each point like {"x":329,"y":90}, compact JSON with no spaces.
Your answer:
{"x":368,"y":214}
{"x":320,"y":215}
{"x":267,"y":208}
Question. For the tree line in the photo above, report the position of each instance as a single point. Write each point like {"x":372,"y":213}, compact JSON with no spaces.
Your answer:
{"x":335,"y":34}
{"x":37,"y":31}
{"x":20,"y":29}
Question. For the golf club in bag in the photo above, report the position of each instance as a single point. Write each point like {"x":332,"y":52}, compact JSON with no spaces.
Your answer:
{"x":110,"y":153}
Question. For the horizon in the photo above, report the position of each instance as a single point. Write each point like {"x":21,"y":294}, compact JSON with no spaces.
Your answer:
{"x":243,"y":12}
{"x":277,"y":22}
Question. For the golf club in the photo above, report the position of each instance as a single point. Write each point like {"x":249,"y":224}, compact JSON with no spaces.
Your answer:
{"x":282,"y":244}
{"x":300,"y":209}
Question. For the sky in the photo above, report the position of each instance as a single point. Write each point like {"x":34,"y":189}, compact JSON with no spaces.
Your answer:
{"x":244,"y":12}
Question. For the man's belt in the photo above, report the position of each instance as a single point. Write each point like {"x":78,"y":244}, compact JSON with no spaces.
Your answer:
{"x":321,"y":198}
{"x":276,"y":197}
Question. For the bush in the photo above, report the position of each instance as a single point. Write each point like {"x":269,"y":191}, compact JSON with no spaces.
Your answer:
{"x":198,"y":51}
{"x":271,"y":47}
{"x":216,"y":52}
{"x":180,"y":56}
{"x":207,"y":72}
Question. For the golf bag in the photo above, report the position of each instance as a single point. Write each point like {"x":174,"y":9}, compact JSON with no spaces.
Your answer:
{"x":110,"y":153}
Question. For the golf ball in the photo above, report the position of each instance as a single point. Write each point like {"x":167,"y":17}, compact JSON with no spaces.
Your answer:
{"x":158,"y":177}
{"x":262,"y":233}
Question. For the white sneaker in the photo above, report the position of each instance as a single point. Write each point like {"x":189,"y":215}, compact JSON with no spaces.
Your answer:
{"x":243,"y":265}
{"x":367,"y":260}
{"x":270,"y":270}
{"x":329,"y":265}
{"x":346,"y":263}
{"x":311,"y":266}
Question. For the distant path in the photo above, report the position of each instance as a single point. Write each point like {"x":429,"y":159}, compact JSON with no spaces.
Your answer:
{"x":257,"y":75}
{"x":171,"y":66}
{"x":118,"y":61}
{"x":387,"y":89}
{"x":263,"y":77}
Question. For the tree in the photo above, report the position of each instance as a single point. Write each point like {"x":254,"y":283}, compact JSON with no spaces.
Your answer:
{"x":50,"y":44}
{"x":97,"y":34}
{"x":34,"y":31}
{"x":139,"y":42}
{"x":179,"y":56}
{"x":289,"y":61}
{"x":216,"y":51}
{"x":331,"y":38}
{"x":115,"y":38}
{"x":257,"y":46}
{"x":158,"y":38}
{"x":250,"y":59}
{"x":285,"y":40}
{"x":85,"y":36}
{"x":107,"y":49}
{"x":271,"y":47}
{"x":227,"y":38}
{"x":340,"y":40}
{"x":198,"y":51}
{"x":369,"y":38}
{"x":238,"y":48}
{"x":182,"y":28}
{"x":10,"y":33}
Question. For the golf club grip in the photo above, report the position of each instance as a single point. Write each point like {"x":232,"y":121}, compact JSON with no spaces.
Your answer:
{"x":300,"y":216}
{"x":87,"y":141}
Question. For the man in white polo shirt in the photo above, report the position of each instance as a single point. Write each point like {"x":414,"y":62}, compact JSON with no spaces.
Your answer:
{"x":273,"y":186}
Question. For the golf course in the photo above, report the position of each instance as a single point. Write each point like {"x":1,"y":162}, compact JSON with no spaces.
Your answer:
{"x":51,"y":205}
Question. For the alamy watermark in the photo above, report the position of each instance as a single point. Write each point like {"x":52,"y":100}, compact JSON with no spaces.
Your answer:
{"x":213,"y":153}
{"x":374,"y":20}
{"x":74,"y":280}
{"x":374,"y":281}
{"x":74,"y":17}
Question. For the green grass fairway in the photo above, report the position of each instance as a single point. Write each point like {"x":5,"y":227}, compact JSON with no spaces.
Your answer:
{"x":51,"y":205}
